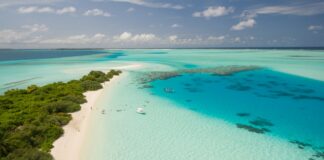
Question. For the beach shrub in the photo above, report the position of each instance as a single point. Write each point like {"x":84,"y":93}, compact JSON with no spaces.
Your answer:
{"x":31,"y":119}
{"x":28,"y":154}
{"x":90,"y":85}
{"x":62,"y":106}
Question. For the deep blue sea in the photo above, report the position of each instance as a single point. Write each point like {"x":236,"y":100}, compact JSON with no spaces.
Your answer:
{"x":21,"y":54}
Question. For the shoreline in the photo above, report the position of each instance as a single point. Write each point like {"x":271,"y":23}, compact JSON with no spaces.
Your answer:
{"x":67,"y":147}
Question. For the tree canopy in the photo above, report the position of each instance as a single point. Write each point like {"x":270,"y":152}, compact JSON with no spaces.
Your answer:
{"x":31,"y":119}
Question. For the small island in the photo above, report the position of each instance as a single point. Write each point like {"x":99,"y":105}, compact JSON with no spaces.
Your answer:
{"x":31,"y":119}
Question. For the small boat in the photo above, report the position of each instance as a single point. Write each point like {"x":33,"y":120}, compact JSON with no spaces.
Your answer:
{"x":103,"y":111}
{"x":140,"y":110}
{"x":168,"y":90}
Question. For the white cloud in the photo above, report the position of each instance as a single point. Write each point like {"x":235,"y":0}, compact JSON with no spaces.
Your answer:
{"x":237,"y":39}
{"x":143,"y":37}
{"x":184,"y":40}
{"x":173,"y":37}
{"x":131,"y":9}
{"x":126,"y":36}
{"x":249,"y":23}
{"x":96,"y":12}
{"x":175,"y":26}
{"x":20,"y":36}
{"x":315,"y":27}
{"x":27,"y":9}
{"x":151,"y":4}
{"x":297,"y":9}
{"x":46,"y":10}
{"x":35,"y":9}
{"x":123,"y":37}
{"x":218,"y":39}
{"x":214,"y":11}
{"x":7,"y":3}
{"x":36,"y":27}
{"x":66,"y":10}
{"x":77,"y":39}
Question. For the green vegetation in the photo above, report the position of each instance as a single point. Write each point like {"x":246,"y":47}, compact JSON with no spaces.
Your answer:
{"x":31,"y":119}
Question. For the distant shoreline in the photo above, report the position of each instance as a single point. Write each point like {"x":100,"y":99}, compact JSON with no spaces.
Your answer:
{"x":303,"y":48}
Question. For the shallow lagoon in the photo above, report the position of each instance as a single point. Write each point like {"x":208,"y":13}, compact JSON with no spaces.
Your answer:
{"x":293,"y":105}
{"x":202,"y":116}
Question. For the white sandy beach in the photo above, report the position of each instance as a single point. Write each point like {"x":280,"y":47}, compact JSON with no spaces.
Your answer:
{"x":68,"y":146}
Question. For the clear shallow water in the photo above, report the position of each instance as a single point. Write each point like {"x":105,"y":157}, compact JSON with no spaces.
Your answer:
{"x":171,"y":130}
{"x":198,"y":120}
{"x":294,"y":105}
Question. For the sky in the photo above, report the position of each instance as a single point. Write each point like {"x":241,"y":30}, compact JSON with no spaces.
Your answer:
{"x":161,"y":24}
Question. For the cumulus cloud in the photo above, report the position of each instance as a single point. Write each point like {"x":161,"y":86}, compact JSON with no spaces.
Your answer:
{"x":237,"y":39}
{"x":297,"y":9}
{"x":184,"y":40}
{"x":36,"y":27}
{"x":214,"y":11}
{"x":96,"y":12}
{"x":123,"y":37}
{"x":315,"y":27}
{"x":35,"y":9}
{"x":26,"y":33}
{"x":151,"y":4}
{"x":216,"y":39}
{"x":8,"y":3}
{"x":143,"y":37}
{"x":77,"y":39}
{"x":66,"y":10}
{"x":249,"y":23}
{"x":131,"y":9}
{"x":175,"y":26}
{"x":126,"y":36}
{"x":173,"y":38}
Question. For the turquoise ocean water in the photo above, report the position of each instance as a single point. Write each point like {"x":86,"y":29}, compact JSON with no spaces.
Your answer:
{"x":202,"y":117}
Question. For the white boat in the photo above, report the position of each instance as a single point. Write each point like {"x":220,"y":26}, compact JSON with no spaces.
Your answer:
{"x":140,"y":110}
{"x":168,"y":90}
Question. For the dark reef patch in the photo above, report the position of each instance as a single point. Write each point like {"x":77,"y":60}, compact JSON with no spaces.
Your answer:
{"x":187,"y":84}
{"x":281,"y":93}
{"x":265,"y":95}
{"x":193,"y":89}
{"x":261,"y":122}
{"x":264,"y":85}
{"x":146,"y":86}
{"x":243,"y":114}
{"x":302,"y":90}
{"x":238,"y":87}
{"x":305,"y":97}
{"x":300,"y":144}
{"x":252,"y":129}
{"x":319,"y":154}
{"x":217,"y":71}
